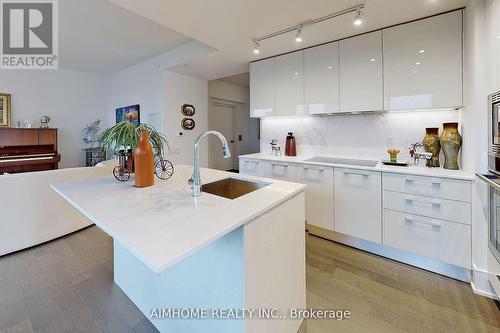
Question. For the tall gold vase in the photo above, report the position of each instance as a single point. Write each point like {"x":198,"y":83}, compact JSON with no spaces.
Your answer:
{"x":451,"y":142}
{"x":432,"y":145}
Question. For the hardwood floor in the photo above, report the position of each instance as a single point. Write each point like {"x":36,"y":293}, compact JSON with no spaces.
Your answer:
{"x":67,"y":286}
{"x":387,"y":296}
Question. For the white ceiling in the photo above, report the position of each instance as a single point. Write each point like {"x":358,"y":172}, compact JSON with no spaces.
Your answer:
{"x":100,"y":37}
{"x":230,"y":25}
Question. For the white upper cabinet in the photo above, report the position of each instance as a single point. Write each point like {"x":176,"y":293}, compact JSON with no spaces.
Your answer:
{"x":290,"y":84}
{"x":423,"y":63}
{"x":361,"y":81}
{"x":321,"y":79}
{"x":262,"y":88}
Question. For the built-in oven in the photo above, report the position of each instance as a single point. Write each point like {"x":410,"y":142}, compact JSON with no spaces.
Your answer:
{"x":494,"y":133}
{"x":493,"y":182}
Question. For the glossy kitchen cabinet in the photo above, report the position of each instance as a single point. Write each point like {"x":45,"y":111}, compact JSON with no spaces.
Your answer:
{"x":281,"y":171}
{"x":423,"y":63}
{"x":361,"y":73}
{"x":262,"y":88}
{"x":321,"y":79}
{"x":252,"y":167}
{"x":290,"y":84}
{"x":319,"y":194}
{"x":358,"y":203}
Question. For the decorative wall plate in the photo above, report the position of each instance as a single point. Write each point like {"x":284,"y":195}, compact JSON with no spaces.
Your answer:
{"x":188,"y":110}
{"x":188,"y":123}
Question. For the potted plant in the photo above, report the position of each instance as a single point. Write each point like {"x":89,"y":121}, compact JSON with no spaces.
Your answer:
{"x":125,"y":136}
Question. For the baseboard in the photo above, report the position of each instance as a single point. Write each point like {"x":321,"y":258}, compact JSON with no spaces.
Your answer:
{"x":480,"y":283}
{"x":432,"y":265}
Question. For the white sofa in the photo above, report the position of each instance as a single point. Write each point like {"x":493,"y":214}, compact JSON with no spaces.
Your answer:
{"x":32,"y":213}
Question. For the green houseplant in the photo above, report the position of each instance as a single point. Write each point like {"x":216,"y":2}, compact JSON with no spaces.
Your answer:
{"x":125,"y":135}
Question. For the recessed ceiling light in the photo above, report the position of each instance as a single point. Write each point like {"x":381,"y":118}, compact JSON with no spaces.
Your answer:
{"x":415,"y":72}
{"x":421,"y":51}
{"x":417,"y":63}
{"x":295,"y":73}
{"x":330,"y":67}
{"x":372,"y":59}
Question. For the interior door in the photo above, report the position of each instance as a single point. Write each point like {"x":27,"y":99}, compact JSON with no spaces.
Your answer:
{"x":222,"y":120}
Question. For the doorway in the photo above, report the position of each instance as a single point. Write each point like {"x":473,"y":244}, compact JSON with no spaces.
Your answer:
{"x":222,"y":120}
{"x":233,"y":120}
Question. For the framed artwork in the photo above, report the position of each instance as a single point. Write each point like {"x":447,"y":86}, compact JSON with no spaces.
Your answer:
{"x":188,"y":110}
{"x":188,"y":123}
{"x":5,"y":110}
{"x":131,"y":113}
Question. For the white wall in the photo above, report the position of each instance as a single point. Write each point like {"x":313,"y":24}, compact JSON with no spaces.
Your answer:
{"x":161,"y":93}
{"x":361,"y":136}
{"x":481,"y":78}
{"x":72,"y":100}
{"x":181,"y":89}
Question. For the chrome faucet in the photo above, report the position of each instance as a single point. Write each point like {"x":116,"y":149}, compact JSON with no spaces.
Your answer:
{"x":195,"y":180}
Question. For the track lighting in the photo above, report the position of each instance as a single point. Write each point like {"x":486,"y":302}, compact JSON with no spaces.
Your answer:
{"x":256,"y":49}
{"x":358,"y":18}
{"x":298,"y":37}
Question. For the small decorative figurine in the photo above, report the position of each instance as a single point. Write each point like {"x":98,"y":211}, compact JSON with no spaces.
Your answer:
{"x":275,"y":149}
{"x":44,"y":122}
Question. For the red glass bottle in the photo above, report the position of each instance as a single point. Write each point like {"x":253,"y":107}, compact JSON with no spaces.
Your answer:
{"x":290,"y":147}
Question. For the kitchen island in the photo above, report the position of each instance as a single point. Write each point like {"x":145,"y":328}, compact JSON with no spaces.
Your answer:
{"x":203,"y":258}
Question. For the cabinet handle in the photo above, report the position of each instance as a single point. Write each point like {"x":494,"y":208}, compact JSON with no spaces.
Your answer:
{"x":315,"y":169}
{"x":432,"y":182}
{"x":356,"y":173}
{"x":281,"y":165}
{"x":253,"y":162}
{"x":409,"y":219}
{"x":433,"y":203}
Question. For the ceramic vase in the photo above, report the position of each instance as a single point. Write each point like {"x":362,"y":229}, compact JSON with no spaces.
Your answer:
{"x":432,"y":145}
{"x":144,"y":162}
{"x":451,"y":142}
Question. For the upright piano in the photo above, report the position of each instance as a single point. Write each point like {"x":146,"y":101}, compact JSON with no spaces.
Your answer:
{"x":28,"y":149}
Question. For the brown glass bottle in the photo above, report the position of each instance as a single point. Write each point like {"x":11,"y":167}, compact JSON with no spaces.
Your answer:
{"x":290,"y":146}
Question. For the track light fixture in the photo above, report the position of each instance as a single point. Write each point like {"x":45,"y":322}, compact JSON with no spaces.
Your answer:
{"x":256,"y":49}
{"x":358,"y":20}
{"x":298,"y":37}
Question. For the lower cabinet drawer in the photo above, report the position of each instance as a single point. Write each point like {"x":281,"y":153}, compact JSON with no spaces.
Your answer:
{"x":281,"y":171}
{"x":450,"y":210}
{"x":437,"y":239}
{"x":428,"y":186}
{"x":252,"y":167}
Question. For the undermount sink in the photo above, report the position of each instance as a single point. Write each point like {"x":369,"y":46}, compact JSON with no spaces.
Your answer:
{"x":232,"y":188}
{"x":346,"y":161}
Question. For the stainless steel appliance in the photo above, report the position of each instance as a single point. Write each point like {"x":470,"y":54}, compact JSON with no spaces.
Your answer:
{"x":493,"y":181}
{"x":494,"y":133}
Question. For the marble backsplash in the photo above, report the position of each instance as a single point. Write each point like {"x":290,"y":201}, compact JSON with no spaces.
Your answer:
{"x":361,"y":136}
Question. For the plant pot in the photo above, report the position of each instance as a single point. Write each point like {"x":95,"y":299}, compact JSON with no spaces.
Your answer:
{"x":144,"y":162}
{"x":451,"y":142}
{"x":432,"y":145}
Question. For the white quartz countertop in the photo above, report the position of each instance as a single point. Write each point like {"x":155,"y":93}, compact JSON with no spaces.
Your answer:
{"x":409,"y":170}
{"x":163,"y":224}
